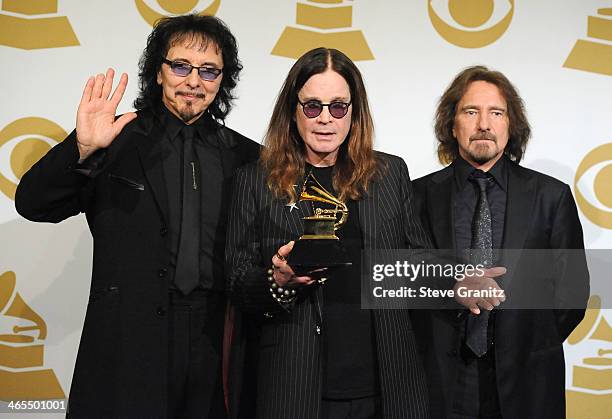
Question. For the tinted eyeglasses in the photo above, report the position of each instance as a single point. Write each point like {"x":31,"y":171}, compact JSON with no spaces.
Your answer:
{"x":183,"y":69}
{"x":313,"y":108}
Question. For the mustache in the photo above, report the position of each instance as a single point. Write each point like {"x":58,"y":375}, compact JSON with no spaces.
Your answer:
{"x":199,"y":95}
{"x":484,"y":135}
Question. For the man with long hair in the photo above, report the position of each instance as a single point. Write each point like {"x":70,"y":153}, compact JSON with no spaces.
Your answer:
{"x":319,"y":354}
{"x":489,"y":362}
{"x":154,"y":186}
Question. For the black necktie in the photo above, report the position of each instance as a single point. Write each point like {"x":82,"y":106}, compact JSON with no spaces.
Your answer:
{"x":187,"y":274}
{"x":482,"y":243}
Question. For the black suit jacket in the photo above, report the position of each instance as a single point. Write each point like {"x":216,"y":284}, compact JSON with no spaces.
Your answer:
{"x":289,"y":374}
{"x":121,"y":368}
{"x":540,"y":214}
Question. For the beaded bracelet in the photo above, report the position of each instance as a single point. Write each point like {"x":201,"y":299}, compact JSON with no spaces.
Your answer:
{"x":280,"y":294}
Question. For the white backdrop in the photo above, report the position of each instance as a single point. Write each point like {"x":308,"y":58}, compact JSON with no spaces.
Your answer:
{"x":569,"y":108}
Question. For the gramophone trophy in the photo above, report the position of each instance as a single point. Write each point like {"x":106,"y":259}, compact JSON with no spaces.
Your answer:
{"x":319,"y":247}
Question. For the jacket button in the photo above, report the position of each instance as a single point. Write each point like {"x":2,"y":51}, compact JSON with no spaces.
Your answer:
{"x":161,"y":311}
{"x":163,"y":231}
{"x":162,"y":272}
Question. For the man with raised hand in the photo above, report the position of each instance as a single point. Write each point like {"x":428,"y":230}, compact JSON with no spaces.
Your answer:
{"x":154,"y":186}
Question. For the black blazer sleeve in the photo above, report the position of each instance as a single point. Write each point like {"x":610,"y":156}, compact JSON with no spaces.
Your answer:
{"x":571,"y":272}
{"x":52,"y":190}
{"x":246,"y":263}
{"x":414,"y":232}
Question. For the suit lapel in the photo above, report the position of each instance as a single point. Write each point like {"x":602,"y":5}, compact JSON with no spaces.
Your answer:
{"x":368,"y":214}
{"x":149,"y":151}
{"x":519,"y":207}
{"x":440,"y":204}
{"x":229,"y":158}
{"x":294,"y":215}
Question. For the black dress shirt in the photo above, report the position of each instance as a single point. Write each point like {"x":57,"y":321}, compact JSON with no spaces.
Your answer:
{"x":210,"y":177}
{"x":349,"y":369}
{"x":466,"y":197}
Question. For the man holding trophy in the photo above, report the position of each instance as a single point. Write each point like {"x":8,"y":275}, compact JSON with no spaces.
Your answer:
{"x":318,"y":181}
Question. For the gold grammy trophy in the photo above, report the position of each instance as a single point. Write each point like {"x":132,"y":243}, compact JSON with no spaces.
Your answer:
{"x":591,"y":395}
{"x":21,"y":355}
{"x":323,"y":23}
{"x":319,"y":247}
{"x":31,"y":32}
{"x":594,"y":55}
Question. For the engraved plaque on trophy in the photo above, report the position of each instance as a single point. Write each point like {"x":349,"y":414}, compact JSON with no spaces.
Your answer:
{"x":319,"y":247}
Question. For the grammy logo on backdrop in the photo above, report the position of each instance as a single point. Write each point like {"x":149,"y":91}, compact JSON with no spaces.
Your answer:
{"x":22,"y":143}
{"x":591,"y":396}
{"x":323,"y":23}
{"x":23,"y":28}
{"x":595,"y":54}
{"x":172,"y":8}
{"x":22,"y":371}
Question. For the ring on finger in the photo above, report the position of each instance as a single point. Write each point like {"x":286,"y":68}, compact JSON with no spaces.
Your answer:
{"x":280,"y":257}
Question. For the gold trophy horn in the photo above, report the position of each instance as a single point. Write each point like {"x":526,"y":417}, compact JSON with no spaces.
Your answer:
{"x":324,"y":222}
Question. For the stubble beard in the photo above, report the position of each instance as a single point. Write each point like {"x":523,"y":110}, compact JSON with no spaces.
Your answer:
{"x":483,"y":152}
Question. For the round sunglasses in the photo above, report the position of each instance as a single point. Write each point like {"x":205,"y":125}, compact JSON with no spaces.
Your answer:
{"x":183,"y":69}
{"x":313,"y":108}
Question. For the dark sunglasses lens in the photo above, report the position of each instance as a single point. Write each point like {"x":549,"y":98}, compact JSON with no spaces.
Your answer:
{"x":338,"y":109}
{"x":312,"y":109}
{"x":180,"y":69}
{"x":209,"y":74}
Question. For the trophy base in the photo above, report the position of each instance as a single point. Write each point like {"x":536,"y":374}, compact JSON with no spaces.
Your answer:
{"x":310,"y":255}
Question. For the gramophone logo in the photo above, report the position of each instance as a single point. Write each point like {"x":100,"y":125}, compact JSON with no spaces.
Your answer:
{"x":592,"y":186}
{"x":591,"y":394}
{"x":22,"y":143}
{"x":26,"y":24}
{"x":152,"y":12}
{"x":323,"y":23}
{"x":594,"y":54}
{"x":22,"y":371}
{"x":476,"y":23}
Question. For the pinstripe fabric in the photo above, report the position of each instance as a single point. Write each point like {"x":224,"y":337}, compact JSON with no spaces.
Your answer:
{"x":289,"y":371}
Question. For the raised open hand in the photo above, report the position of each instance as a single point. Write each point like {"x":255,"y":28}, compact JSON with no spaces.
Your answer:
{"x":96,"y":126}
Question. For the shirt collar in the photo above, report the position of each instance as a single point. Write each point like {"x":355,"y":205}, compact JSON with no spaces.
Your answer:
{"x":463,"y":170}
{"x":173,"y":125}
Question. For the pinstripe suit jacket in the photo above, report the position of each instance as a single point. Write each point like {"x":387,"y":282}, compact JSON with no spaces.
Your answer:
{"x":289,"y":373}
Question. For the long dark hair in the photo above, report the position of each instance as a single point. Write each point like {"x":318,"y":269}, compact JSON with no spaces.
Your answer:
{"x":283,"y":158}
{"x":519,"y":129}
{"x":202,"y":30}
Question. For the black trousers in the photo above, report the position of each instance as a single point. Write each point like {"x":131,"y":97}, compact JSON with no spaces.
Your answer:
{"x":475,"y":395}
{"x":195,"y":335}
